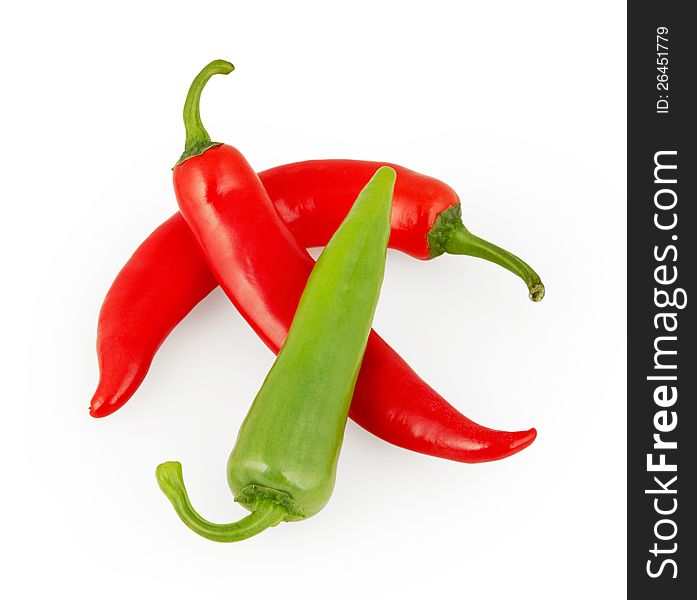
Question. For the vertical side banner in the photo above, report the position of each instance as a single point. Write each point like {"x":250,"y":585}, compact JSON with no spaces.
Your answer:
{"x":662,"y":265}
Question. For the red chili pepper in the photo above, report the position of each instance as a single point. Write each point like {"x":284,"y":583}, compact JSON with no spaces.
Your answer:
{"x":265,"y":274}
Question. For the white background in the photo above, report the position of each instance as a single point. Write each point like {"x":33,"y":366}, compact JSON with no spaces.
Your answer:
{"x":520,"y":106}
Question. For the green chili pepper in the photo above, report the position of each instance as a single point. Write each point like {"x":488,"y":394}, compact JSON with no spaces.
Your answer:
{"x":283,"y":465}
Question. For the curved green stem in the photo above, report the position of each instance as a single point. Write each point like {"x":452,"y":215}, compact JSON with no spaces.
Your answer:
{"x":450,"y":235}
{"x":197,"y":138}
{"x":463,"y":242}
{"x":266,"y":514}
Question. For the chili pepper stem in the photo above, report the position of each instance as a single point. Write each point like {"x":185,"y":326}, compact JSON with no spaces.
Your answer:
{"x":197,"y":138}
{"x":450,"y":235}
{"x":266,"y":513}
{"x":462,"y":241}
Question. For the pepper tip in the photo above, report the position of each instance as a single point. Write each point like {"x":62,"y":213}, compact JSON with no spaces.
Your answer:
{"x":100,"y":406}
{"x":527,"y":438}
{"x":95,"y":408}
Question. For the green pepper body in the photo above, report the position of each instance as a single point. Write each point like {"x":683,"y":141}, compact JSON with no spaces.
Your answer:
{"x":283,"y":465}
{"x":291,"y":438}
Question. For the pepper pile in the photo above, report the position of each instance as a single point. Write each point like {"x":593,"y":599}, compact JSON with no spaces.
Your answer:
{"x":248,"y":233}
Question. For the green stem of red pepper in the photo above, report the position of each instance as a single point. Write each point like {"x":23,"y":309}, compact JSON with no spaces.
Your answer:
{"x":197,"y":138}
{"x":450,"y":235}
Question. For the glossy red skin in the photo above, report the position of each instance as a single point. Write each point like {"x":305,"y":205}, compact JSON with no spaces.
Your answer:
{"x":159,"y":285}
{"x":263,"y":270}
{"x":313,"y":197}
